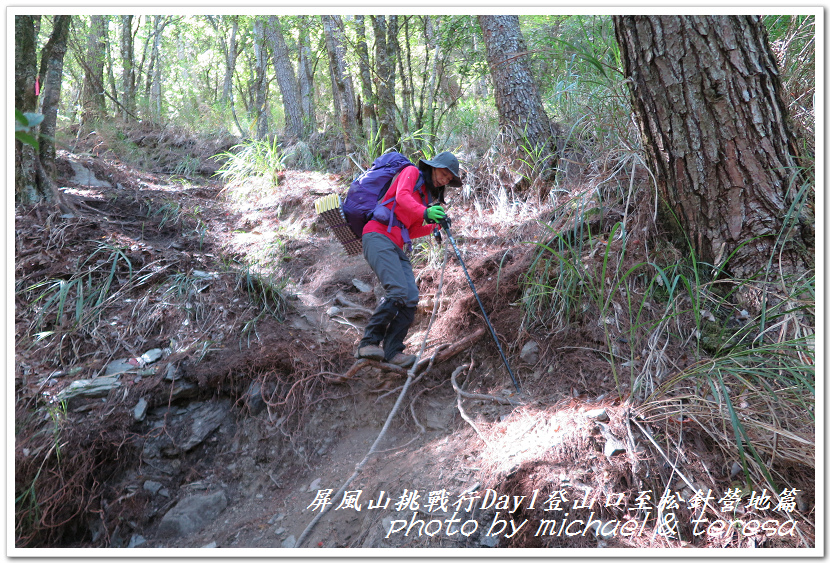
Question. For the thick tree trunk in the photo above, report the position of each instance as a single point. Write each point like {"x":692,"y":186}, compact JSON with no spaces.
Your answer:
{"x":94,"y":101}
{"x":260,"y":85}
{"x":706,"y":93}
{"x":127,"y":67}
{"x":51,"y":62}
{"x":25,"y":100}
{"x":518,"y":102}
{"x":305,"y":80}
{"x":287,"y":80}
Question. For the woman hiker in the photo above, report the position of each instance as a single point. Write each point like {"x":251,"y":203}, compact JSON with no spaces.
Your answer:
{"x":409,"y":201}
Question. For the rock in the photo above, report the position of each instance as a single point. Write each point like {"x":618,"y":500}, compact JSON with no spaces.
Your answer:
{"x":253,"y":398}
{"x":530,"y":352}
{"x":206,"y":419}
{"x":613,"y":445}
{"x":289,"y":542}
{"x":140,"y":410}
{"x":85,"y":177}
{"x":183,"y":389}
{"x":152,"y":487}
{"x":210,"y":545}
{"x":276,"y":518}
{"x":736,"y":468}
{"x":151,"y":356}
{"x":314,"y":486}
{"x":489,"y":541}
{"x":597,"y":414}
{"x":136,"y":541}
{"x":89,"y":389}
{"x":279,"y":531}
{"x":362,"y":286}
{"x":192,"y":514}
{"x":121,"y":366}
{"x":334,"y":311}
{"x":199,"y":274}
{"x":173,"y":372}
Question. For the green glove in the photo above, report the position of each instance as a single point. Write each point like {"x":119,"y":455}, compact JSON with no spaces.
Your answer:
{"x":434,"y":214}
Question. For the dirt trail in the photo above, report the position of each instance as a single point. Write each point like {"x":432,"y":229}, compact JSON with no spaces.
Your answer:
{"x":258,"y":418}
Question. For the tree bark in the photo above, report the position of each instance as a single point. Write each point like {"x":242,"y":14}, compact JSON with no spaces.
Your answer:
{"x":94,"y":101}
{"x":518,"y":102}
{"x":305,"y":80}
{"x":369,"y":100}
{"x":230,"y":61}
{"x":707,"y":96}
{"x":341,"y":83}
{"x":385,"y":69}
{"x":287,"y":80}
{"x":127,"y":67}
{"x":25,"y":100}
{"x":260,"y":85}
{"x":51,"y":63}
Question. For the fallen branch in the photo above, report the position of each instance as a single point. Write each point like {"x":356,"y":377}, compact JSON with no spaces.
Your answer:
{"x":458,"y":392}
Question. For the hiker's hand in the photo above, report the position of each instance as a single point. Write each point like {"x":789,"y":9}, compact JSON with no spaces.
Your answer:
{"x":434,"y":214}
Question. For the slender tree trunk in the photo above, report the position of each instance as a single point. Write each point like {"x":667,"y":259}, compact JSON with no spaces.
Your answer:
{"x":385,"y":81}
{"x":260,"y":86}
{"x":343,"y":91}
{"x":518,"y":102}
{"x":305,"y":79}
{"x":51,"y":62}
{"x":707,"y":96}
{"x":127,"y":67}
{"x":108,"y":64}
{"x":406,"y":81}
{"x":287,"y":80}
{"x":25,"y":100}
{"x":230,"y":61}
{"x":94,"y":101}
{"x":369,"y":100}
{"x":433,"y":81}
{"x":154,"y":76}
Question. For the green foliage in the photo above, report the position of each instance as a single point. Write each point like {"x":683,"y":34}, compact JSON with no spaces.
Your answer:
{"x":25,"y":125}
{"x":252,"y":159}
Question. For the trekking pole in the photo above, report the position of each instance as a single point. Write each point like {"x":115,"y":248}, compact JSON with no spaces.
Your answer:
{"x":445,"y":224}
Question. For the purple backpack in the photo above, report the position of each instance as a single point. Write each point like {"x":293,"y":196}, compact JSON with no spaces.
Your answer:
{"x":366,"y":191}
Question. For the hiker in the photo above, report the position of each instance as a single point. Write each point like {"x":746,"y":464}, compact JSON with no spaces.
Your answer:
{"x":410,"y":201}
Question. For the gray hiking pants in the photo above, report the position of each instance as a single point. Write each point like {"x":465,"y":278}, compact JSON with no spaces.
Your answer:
{"x":391,"y":320}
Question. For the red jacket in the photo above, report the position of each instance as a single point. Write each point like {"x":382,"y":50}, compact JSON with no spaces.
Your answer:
{"x":409,"y":208}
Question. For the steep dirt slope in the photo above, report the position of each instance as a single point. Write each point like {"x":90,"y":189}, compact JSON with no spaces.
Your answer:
{"x":233,"y":435}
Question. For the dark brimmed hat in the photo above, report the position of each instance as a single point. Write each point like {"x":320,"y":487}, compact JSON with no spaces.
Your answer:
{"x":446,"y":160}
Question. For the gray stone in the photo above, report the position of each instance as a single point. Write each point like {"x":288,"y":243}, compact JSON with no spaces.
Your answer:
{"x":86,"y":177}
{"x":289,"y":542}
{"x":530,"y":352}
{"x":210,"y":545}
{"x":597,"y":414}
{"x":89,"y":388}
{"x":151,"y":356}
{"x":362,"y":286}
{"x":173,"y":372}
{"x":121,"y":366}
{"x":192,"y":514}
{"x":140,"y":410}
{"x":152,"y":487}
{"x":136,"y":541}
{"x":613,"y":445}
{"x":253,"y":398}
{"x":489,"y":541}
{"x":314,"y":485}
{"x":183,"y":389}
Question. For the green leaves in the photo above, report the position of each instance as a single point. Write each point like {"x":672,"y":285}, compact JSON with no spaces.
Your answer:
{"x":24,"y":123}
